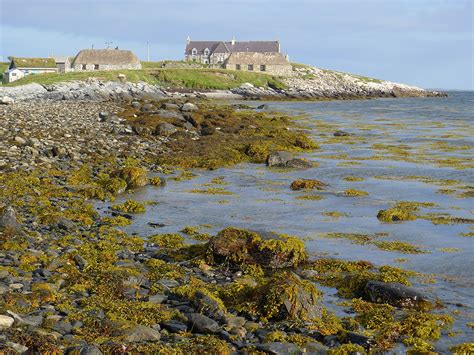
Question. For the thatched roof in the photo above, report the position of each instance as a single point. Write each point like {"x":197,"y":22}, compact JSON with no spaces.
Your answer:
{"x":17,"y":62}
{"x":106,"y":56}
{"x":257,"y":59}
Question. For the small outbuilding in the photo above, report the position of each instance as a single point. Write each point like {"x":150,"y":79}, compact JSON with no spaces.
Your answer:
{"x":105,"y":59}
{"x":271,"y":63}
{"x":63,"y":63}
{"x":28,"y":66}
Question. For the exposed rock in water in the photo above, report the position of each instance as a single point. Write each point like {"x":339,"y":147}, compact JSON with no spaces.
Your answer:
{"x":395,"y":294}
{"x":133,"y":176}
{"x":285,"y":160}
{"x":270,"y":250}
{"x":341,"y":134}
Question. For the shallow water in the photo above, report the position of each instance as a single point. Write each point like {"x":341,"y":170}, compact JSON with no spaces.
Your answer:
{"x":393,"y":139}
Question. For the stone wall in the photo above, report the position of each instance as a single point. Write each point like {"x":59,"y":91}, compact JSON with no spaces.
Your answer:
{"x":279,"y":70}
{"x":91,"y":67}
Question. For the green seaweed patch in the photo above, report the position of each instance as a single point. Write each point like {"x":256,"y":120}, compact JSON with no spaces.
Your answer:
{"x":310,"y":197}
{"x":119,"y":221}
{"x":437,"y":218}
{"x":130,"y":206}
{"x":307,"y":184}
{"x":398,"y":246}
{"x":334,"y":214}
{"x":355,"y":192}
{"x":462,"y":349}
{"x":133,"y":176}
{"x":402,"y":211}
{"x":450,"y":250}
{"x":345,"y":349}
{"x":157,"y":181}
{"x":353,"y":178}
{"x":167,"y":240}
{"x":212,"y":191}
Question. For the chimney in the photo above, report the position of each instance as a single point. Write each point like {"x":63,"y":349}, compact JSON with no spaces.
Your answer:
{"x":188,"y":40}
{"x":233,"y":40}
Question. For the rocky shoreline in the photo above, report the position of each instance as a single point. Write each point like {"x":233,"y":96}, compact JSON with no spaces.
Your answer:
{"x":72,"y":282}
{"x":307,"y":84}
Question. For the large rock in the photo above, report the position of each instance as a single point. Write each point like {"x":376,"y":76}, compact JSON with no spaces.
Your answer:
{"x":286,"y":296}
{"x":133,"y":176}
{"x":141,"y":333}
{"x":277,"y":348}
{"x":83,"y":350}
{"x":6,"y":100}
{"x":284,"y":159}
{"x":165,"y":129}
{"x":6,"y":322}
{"x":396,"y":294}
{"x":189,"y":107}
{"x":265,"y":249}
{"x":201,"y":324}
{"x":209,"y":306}
{"x":9,"y":220}
{"x":279,"y":158}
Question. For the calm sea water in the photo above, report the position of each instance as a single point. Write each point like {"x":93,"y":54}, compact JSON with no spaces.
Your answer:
{"x":428,"y":130}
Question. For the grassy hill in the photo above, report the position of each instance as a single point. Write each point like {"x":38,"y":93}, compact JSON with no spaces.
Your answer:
{"x":176,"y":77}
{"x":3,"y":67}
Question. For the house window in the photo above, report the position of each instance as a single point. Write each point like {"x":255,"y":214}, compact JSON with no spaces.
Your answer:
{"x":250,"y":67}
{"x":13,"y":74}
{"x":194,"y":51}
{"x":206,"y":52}
{"x":238,"y":67}
{"x":96,"y":66}
{"x":263,"y":67}
{"x":83,"y":66}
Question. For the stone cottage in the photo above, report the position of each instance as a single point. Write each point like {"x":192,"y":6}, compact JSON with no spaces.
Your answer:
{"x":28,"y":66}
{"x":271,"y":63}
{"x":63,"y":63}
{"x":216,"y":52}
{"x":105,"y":59}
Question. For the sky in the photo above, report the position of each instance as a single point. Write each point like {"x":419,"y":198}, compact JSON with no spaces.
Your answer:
{"x":428,"y":43}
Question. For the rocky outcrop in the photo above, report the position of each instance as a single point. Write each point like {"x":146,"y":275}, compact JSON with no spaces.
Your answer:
{"x":395,"y":294}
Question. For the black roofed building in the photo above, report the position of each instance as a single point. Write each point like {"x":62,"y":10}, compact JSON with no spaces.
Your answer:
{"x":216,"y":52}
{"x":261,"y":56}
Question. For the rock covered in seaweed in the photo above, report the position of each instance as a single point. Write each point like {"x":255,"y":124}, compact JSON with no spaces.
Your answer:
{"x":395,"y":294}
{"x":133,"y":176}
{"x":267,"y":250}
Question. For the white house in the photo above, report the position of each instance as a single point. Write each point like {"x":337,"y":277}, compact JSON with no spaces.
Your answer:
{"x":11,"y":75}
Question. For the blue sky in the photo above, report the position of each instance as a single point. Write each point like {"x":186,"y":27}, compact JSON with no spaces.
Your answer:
{"x":428,"y":43}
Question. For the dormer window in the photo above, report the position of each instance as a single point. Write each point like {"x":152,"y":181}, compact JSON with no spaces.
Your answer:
{"x":194,"y":51}
{"x":206,"y":51}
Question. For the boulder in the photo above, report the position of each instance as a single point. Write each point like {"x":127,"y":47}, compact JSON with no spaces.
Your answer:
{"x":165,"y":129}
{"x":396,"y":294}
{"x":136,"y":105}
{"x":341,"y":134}
{"x":20,"y":141}
{"x":6,"y":322}
{"x":286,"y":296}
{"x":268,"y":250}
{"x":174,"y":326}
{"x":133,"y":176}
{"x":201,"y":324}
{"x":6,"y":100}
{"x":208,"y":306}
{"x":298,"y":164}
{"x":189,"y":107}
{"x":83,"y":350}
{"x":277,"y":348}
{"x":9,"y":220}
{"x":279,"y":158}
{"x":141,"y":333}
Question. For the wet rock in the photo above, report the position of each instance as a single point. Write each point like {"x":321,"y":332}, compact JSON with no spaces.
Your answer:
{"x":189,"y":107}
{"x":208,"y":306}
{"x":279,"y":158}
{"x":83,"y":350}
{"x":395,"y":294}
{"x":341,"y":134}
{"x":201,"y":324}
{"x":133,"y":176}
{"x":277,"y":348}
{"x":262,"y":107}
{"x":62,"y":327}
{"x":141,"y":333}
{"x":267,"y":249}
{"x":159,"y":298}
{"x":165,"y":129}
{"x":136,"y":105}
{"x":358,"y":339}
{"x":103,"y":115}
{"x":298,"y":164}
{"x":6,"y":322}
{"x":9,"y":220}
{"x":174,"y":326}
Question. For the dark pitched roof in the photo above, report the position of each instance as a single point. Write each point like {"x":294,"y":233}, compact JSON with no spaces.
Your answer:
{"x":17,"y":62}
{"x":226,"y":47}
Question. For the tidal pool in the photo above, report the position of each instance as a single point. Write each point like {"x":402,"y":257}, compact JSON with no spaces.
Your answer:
{"x":403,"y":149}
